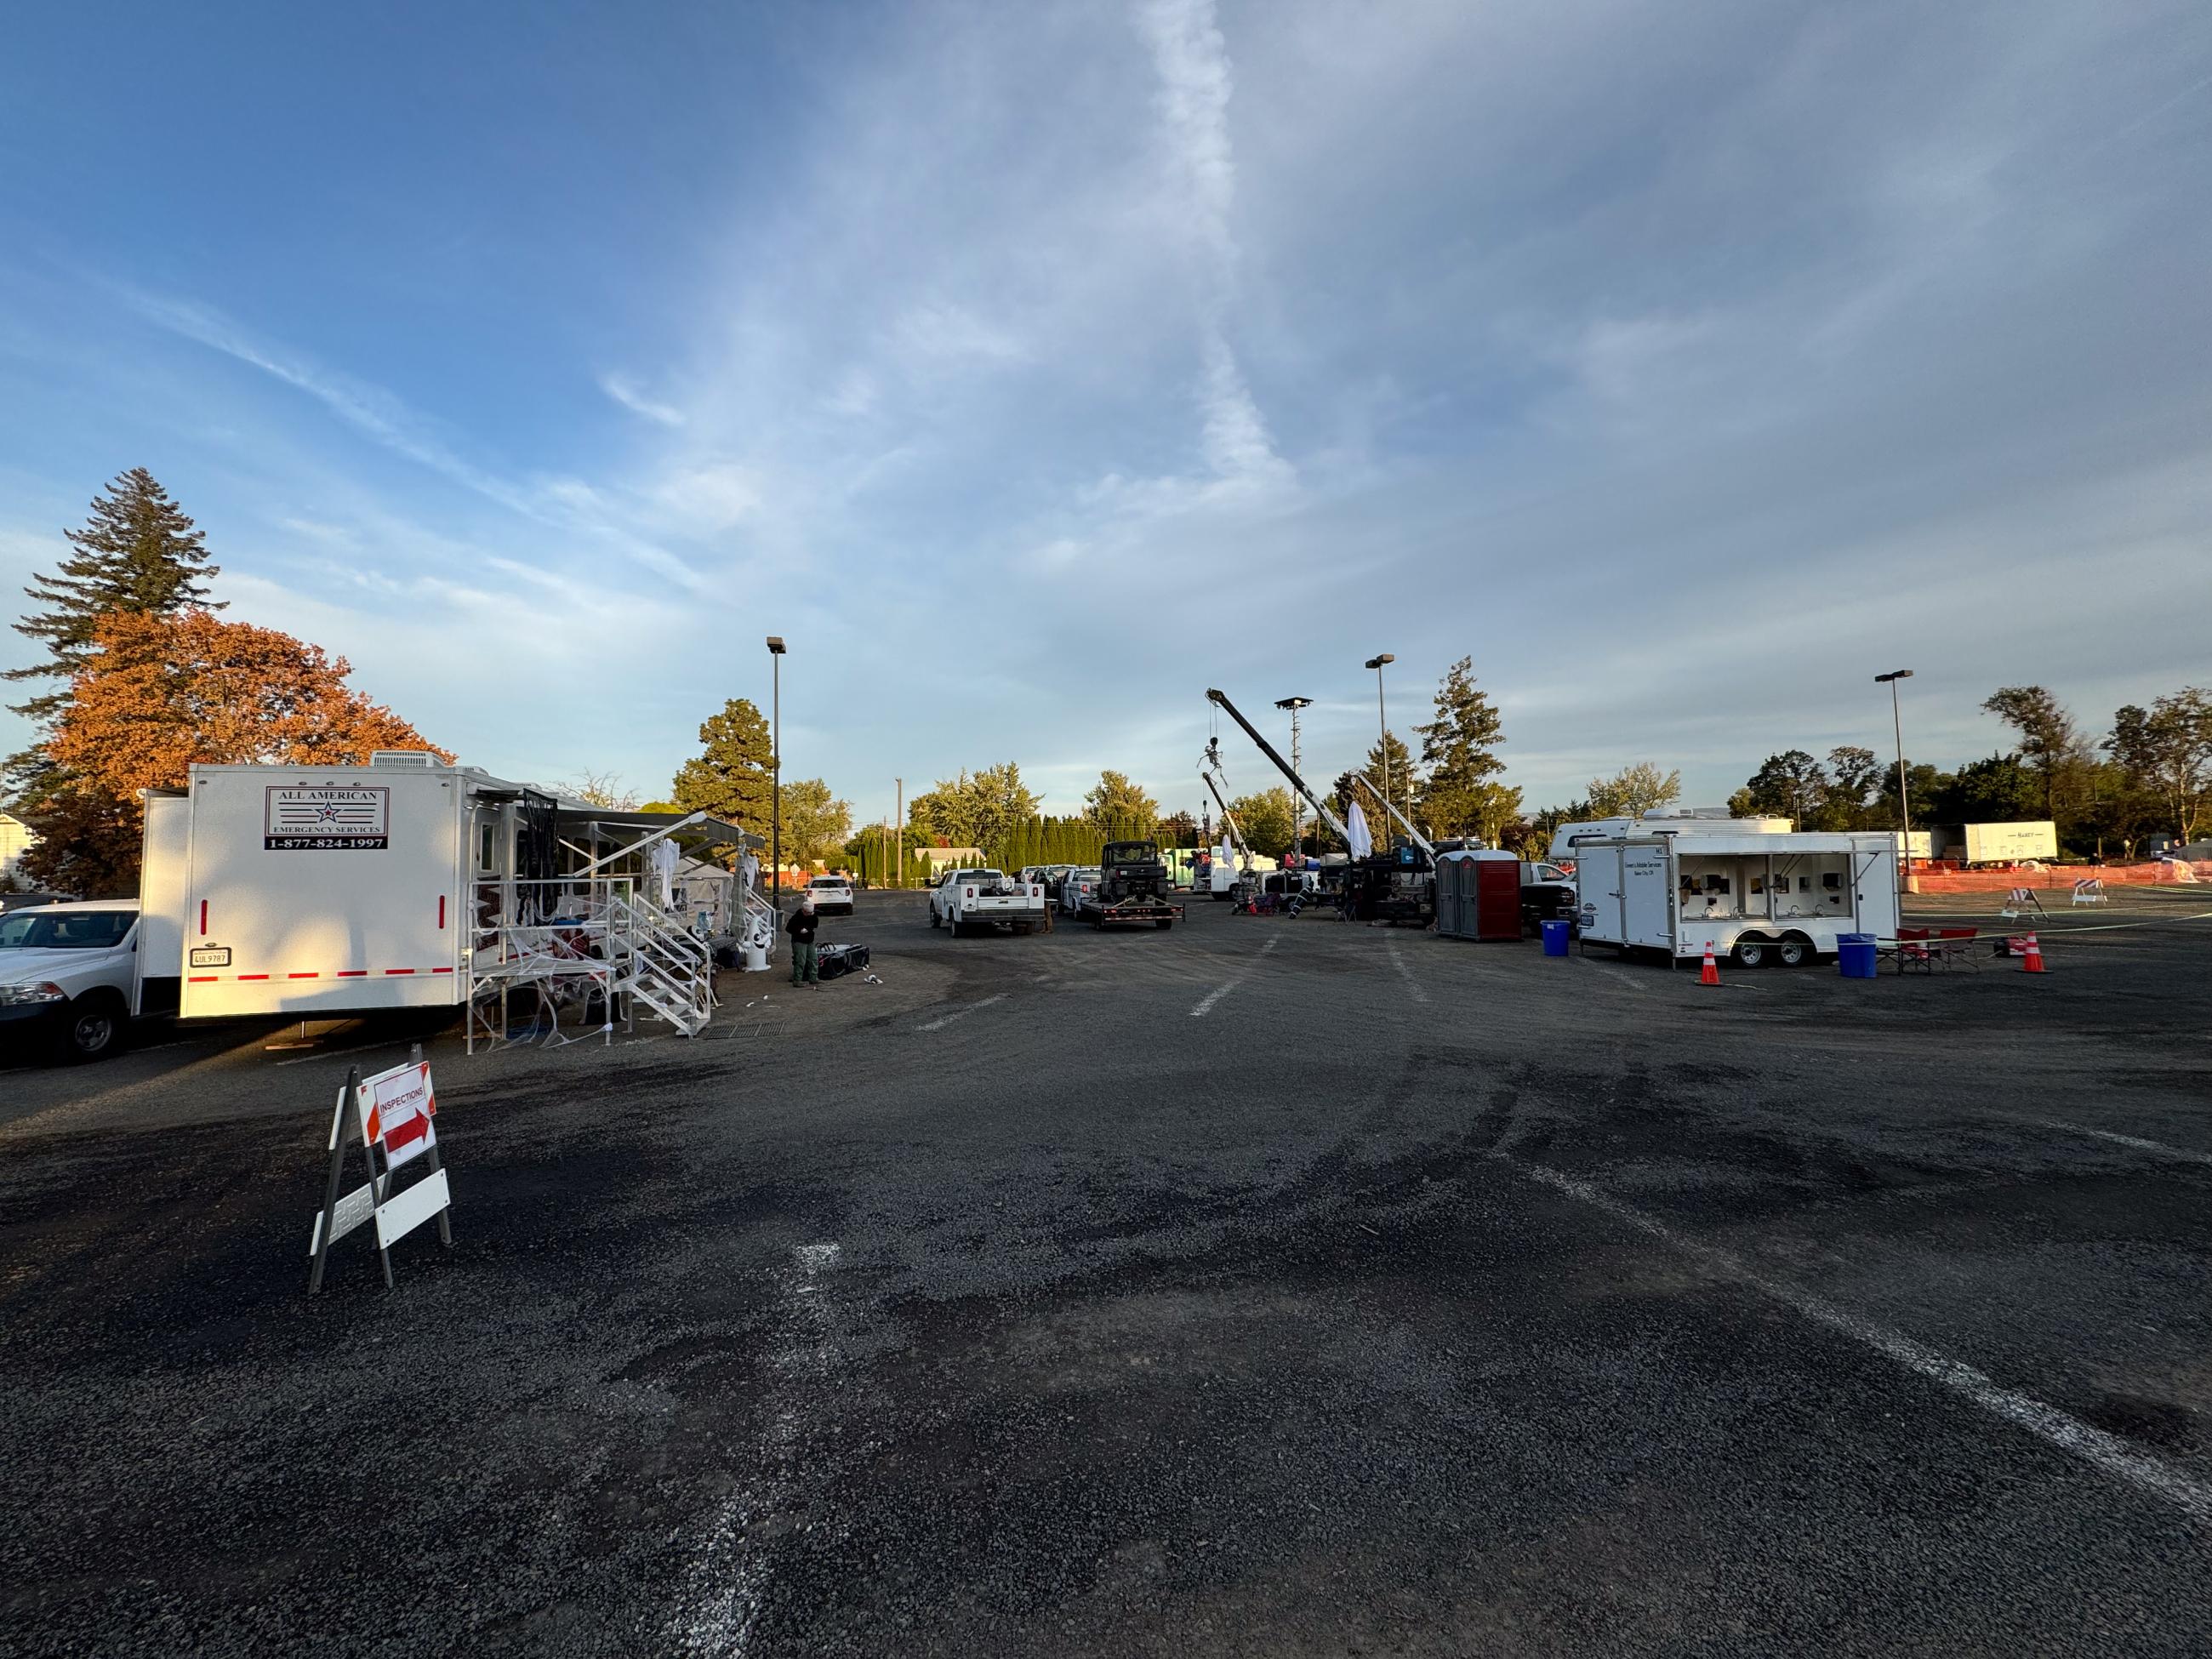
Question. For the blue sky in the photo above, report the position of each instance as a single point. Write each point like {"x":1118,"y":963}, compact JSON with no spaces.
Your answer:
{"x":1031,"y":368}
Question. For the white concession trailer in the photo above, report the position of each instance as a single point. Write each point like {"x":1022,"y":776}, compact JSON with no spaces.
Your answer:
{"x":407,"y":882}
{"x":1753,"y":888}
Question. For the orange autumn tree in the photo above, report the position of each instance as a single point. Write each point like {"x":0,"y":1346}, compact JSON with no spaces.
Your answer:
{"x":159,"y":693}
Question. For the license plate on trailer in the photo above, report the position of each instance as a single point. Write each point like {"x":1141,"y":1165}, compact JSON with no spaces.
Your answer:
{"x":210,"y":955}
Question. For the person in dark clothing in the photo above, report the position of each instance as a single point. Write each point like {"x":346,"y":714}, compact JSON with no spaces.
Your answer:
{"x":802,"y":928}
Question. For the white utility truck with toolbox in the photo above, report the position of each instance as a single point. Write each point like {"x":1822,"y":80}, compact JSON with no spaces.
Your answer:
{"x":1753,"y":888}
{"x":966,"y":899}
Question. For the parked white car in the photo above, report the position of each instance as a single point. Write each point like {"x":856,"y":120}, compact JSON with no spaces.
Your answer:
{"x":1075,"y":887}
{"x":67,"y":973}
{"x":832,"y":894}
{"x":984,"y":898}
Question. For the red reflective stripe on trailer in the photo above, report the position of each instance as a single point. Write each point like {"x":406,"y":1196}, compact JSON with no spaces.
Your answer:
{"x":302,"y":976}
{"x":399,"y":970}
{"x":202,"y":918}
{"x":441,"y":970}
{"x":442,"y":913}
{"x":253,"y":976}
{"x":204,"y":979}
{"x":352,"y":972}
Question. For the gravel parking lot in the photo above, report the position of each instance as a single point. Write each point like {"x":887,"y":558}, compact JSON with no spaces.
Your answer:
{"x":1257,"y":1287}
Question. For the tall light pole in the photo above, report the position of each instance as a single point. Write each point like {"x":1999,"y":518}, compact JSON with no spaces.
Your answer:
{"x":1383,"y":715}
{"x":1297,"y":814}
{"x":776,"y":762}
{"x":1903,"y":790}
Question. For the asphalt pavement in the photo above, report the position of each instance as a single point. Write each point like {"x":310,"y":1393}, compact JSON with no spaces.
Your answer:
{"x":1260,"y":1286}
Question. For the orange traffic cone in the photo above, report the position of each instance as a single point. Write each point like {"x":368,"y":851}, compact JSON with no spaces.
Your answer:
{"x":1711,"y":973}
{"x":2032,"y":958}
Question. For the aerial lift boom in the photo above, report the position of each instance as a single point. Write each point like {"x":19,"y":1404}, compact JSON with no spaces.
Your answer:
{"x":1228,"y":817}
{"x":1407,"y":823}
{"x":1321,"y":809}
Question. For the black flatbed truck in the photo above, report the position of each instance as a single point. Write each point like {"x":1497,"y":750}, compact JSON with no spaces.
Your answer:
{"x":1131,"y":889}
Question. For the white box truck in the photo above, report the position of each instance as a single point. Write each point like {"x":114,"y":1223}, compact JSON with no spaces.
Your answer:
{"x":2034,"y":840}
{"x":1752,"y":888}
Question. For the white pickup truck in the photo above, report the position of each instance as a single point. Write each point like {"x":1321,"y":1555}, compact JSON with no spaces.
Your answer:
{"x":984,"y":898}
{"x":67,"y":972}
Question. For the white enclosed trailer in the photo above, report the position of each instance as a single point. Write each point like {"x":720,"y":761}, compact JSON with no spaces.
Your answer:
{"x":319,"y":890}
{"x":1751,"y":888}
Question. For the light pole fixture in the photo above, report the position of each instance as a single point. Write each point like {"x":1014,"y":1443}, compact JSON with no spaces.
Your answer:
{"x":775,"y":764}
{"x":1383,"y":716}
{"x":1297,"y":814}
{"x":1903,"y":790}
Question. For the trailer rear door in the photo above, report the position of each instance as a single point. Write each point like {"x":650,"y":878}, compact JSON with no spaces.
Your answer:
{"x":1648,"y":897}
{"x":322,"y":891}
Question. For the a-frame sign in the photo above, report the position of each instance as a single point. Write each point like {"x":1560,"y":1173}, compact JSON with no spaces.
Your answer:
{"x":393,"y":1118}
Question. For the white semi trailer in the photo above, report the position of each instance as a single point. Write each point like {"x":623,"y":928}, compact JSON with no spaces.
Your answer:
{"x":1753,"y":888}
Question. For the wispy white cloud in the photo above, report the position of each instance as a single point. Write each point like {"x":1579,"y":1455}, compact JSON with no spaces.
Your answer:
{"x":939,"y":333}
{"x":624,"y":390}
{"x":387,"y":420}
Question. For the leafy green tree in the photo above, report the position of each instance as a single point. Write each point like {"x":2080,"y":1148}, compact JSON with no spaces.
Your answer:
{"x":2167,"y":750}
{"x":2049,"y":740}
{"x":733,"y":774}
{"x":1855,"y":774}
{"x":2002,"y":789}
{"x":1178,"y":829}
{"x":1789,"y":785}
{"x":816,"y":823}
{"x":1404,"y":780}
{"x":1264,"y":818}
{"x":1495,"y":808}
{"x":1631,"y":792}
{"x":1120,"y":802}
{"x":974,"y":810}
{"x":1456,"y":749}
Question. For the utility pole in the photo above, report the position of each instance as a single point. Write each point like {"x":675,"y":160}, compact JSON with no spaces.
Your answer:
{"x":1297,"y":811}
{"x":899,"y":879}
{"x":775,"y":760}
{"x":1383,"y":714}
{"x":1904,"y":789}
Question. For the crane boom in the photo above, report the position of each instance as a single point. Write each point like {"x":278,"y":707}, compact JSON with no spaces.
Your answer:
{"x":1319,"y":807}
{"x":1228,"y":817}
{"x":1391,"y":806}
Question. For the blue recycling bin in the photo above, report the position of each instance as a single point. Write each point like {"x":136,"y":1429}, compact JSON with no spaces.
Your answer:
{"x":1555,"y":937}
{"x":1855,"y":955}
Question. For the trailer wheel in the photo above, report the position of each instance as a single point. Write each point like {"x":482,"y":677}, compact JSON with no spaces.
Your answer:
{"x":1796,"y":951}
{"x":1752,"y":952}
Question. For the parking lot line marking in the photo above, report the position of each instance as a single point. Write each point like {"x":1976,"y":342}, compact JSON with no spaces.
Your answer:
{"x":960,"y":1013}
{"x":2106,"y":1453}
{"x":1398,"y":961}
{"x":1621,"y":973}
{"x":1205,"y":1003}
{"x":2136,"y":1141}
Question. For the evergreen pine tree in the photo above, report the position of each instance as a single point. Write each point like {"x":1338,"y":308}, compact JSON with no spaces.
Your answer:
{"x":1456,"y":749}
{"x":732,"y":775}
{"x":137,"y":552}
